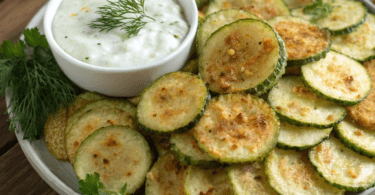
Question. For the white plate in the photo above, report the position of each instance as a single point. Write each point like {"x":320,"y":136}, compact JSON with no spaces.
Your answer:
{"x":60,"y":174}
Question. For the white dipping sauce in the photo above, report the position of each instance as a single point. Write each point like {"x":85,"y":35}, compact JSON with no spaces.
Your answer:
{"x":155,"y":40}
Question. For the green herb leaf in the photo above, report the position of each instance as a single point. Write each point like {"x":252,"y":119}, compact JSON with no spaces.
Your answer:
{"x":123,"y":189}
{"x":128,"y":15}
{"x":91,"y":184}
{"x":37,"y":84}
{"x":318,"y":10}
{"x":8,"y":50}
{"x":34,"y":39}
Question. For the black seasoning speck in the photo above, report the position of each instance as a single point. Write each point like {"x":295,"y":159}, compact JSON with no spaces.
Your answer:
{"x":99,"y":44}
{"x":66,"y":37}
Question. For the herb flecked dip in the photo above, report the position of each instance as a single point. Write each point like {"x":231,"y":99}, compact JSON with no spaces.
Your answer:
{"x":162,"y":33}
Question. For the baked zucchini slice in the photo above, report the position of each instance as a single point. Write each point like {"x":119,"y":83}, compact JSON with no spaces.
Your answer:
{"x":237,"y":128}
{"x":338,"y":78}
{"x":342,"y":167}
{"x":297,"y":105}
{"x":360,"y":44}
{"x":186,"y":150}
{"x":301,"y":138}
{"x":54,"y":129}
{"x":364,"y":112}
{"x":289,"y":172}
{"x":105,"y":103}
{"x":82,"y":99}
{"x":161,"y":143}
{"x":119,"y":154}
{"x":207,"y":181}
{"x":166,"y":177}
{"x":304,"y":41}
{"x":216,"y":20}
{"x":246,"y":55}
{"x":342,"y":19}
{"x":91,"y":121}
{"x":356,"y":138}
{"x":263,"y":9}
{"x":249,"y":179}
{"x":172,"y":103}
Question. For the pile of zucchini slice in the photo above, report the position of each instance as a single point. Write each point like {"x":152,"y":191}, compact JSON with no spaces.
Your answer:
{"x":274,"y":100}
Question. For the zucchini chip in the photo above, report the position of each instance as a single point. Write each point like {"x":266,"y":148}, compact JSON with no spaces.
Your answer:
{"x":246,"y":55}
{"x":216,"y":20}
{"x":297,"y":105}
{"x":54,"y":129}
{"x":166,"y":177}
{"x":249,"y":179}
{"x":91,"y":121}
{"x":82,"y":99}
{"x":342,"y":167}
{"x":304,"y":41}
{"x":172,"y":103}
{"x":338,"y":78}
{"x":364,"y":112}
{"x":342,"y":19}
{"x":289,"y":172}
{"x":301,"y":138}
{"x":186,"y":150}
{"x":100,"y":104}
{"x":237,"y":128}
{"x":119,"y":154}
{"x":207,"y":181}
{"x":356,"y":138}
{"x":263,"y":9}
{"x":360,"y":44}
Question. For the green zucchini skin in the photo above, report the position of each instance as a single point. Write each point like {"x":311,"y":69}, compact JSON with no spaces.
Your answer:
{"x":186,"y":150}
{"x":310,"y":133}
{"x":262,"y":85}
{"x":356,"y":145}
{"x":296,"y":40}
{"x":354,"y":185}
{"x":188,"y":125}
{"x":297,"y":105}
{"x":356,"y":70}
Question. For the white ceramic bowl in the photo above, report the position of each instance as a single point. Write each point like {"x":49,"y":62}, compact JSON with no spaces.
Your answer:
{"x":124,"y":82}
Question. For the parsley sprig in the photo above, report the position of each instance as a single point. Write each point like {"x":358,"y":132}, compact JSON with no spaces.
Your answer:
{"x":37,"y":84}
{"x":92,"y":186}
{"x":318,"y":10}
{"x":129,"y":15}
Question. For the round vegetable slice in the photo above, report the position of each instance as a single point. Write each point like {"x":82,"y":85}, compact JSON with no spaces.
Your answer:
{"x":338,"y":78}
{"x":297,"y":105}
{"x":237,"y":128}
{"x":249,"y":179}
{"x":263,"y":9}
{"x":300,"y":138}
{"x":356,"y":138}
{"x":119,"y":154}
{"x":290,"y":172}
{"x":342,"y":167}
{"x":341,"y":20}
{"x":216,"y":20}
{"x":82,"y":100}
{"x":304,"y":41}
{"x":172,"y":103}
{"x":363,"y":113}
{"x":186,"y":150}
{"x":207,"y":181}
{"x":360,"y":44}
{"x":246,"y":55}
{"x":91,"y":121}
{"x":167,"y":176}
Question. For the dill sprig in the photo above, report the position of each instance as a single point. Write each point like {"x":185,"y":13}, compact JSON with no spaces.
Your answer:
{"x":318,"y":10}
{"x":129,"y":15}
{"x":36,"y":82}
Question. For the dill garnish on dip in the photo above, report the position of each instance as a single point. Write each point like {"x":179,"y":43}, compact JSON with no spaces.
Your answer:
{"x":121,"y":33}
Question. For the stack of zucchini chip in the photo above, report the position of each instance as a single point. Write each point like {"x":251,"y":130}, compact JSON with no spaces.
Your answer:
{"x":232,"y":121}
